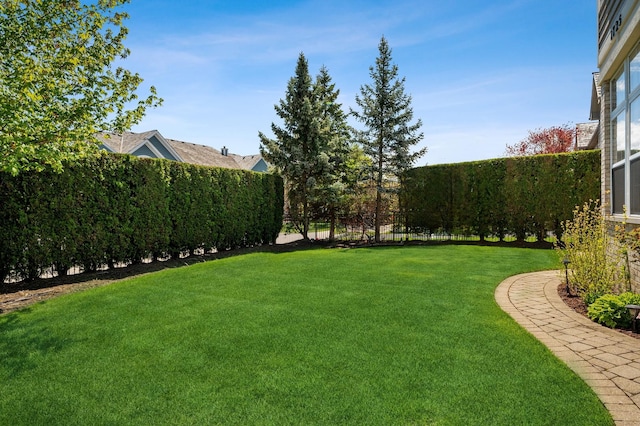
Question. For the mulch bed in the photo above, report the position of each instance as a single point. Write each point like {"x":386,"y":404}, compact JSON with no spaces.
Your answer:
{"x":576,"y":303}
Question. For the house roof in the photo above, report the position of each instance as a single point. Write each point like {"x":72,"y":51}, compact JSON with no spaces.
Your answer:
{"x":203,"y":155}
{"x":129,"y":143}
{"x":125,"y":142}
{"x":596,"y":94}
{"x":248,"y":161}
{"x":587,"y":135}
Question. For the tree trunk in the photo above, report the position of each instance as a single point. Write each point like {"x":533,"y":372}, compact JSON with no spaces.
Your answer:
{"x":379,"y":192}
{"x":305,"y":219}
{"x":377,"y":218}
{"x":332,"y":226}
{"x":305,"y":208}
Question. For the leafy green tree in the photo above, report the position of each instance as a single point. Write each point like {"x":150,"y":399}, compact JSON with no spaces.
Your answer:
{"x":302,"y":149}
{"x":58,"y":82}
{"x":388,"y":135}
{"x":359,"y":205}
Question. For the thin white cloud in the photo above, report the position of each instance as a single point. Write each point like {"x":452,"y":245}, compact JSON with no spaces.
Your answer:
{"x":258,"y":44}
{"x":220,"y":81}
{"x":284,"y":34}
{"x":448,"y":21}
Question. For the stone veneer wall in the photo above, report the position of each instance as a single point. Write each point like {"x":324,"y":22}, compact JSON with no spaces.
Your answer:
{"x":605,"y":156}
{"x":615,"y":254}
{"x":635,"y":273}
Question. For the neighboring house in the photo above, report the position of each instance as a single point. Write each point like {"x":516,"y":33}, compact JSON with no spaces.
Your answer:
{"x":152,"y":144}
{"x":588,"y":134}
{"x":619,"y":111}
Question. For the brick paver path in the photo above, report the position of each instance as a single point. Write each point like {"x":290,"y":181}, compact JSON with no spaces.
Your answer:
{"x":607,"y":360}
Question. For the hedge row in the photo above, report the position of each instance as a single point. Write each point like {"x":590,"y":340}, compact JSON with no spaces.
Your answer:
{"x":508,"y":196}
{"x":117,"y":208}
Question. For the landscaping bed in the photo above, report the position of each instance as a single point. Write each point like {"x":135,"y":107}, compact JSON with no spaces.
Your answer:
{"x":578,"y":305}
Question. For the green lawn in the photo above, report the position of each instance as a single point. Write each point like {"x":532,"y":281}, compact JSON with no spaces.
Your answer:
{"x":367,"y":336}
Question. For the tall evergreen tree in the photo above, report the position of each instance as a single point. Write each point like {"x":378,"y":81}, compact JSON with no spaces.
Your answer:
{"x":330,"y":192}
{"x":388,"y":135}
{"x":297,"y":150}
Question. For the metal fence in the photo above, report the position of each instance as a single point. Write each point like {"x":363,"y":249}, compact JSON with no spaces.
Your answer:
{"x":394,"y":230}
{"x":346,"y":230}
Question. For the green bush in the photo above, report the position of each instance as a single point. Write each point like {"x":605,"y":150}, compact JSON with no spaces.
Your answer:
{"x":610,"y":310}
{"x":585,"y":243}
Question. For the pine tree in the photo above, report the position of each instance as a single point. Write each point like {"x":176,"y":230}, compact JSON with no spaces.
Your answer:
{"x":296,"y":152}
{"x":330,"y":192}
{"x":388,"y":135}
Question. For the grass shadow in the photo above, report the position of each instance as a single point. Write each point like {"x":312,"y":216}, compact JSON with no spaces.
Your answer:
{"x":21,"y":349}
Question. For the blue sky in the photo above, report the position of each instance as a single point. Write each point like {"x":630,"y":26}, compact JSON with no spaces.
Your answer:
{"x":481,"y":74}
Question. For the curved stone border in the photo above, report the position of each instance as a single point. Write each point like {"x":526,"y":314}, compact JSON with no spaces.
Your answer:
{"x":605,"y":359}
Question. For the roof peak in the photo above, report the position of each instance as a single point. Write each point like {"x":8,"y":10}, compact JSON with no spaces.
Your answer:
{"x":189,"y":152}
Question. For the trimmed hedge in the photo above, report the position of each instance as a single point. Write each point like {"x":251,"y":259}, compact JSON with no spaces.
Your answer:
{"x":119,"y":208}
{"x":518,"y":196}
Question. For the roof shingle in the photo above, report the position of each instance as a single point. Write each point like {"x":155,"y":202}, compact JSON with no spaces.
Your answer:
{"x":188,"y":152}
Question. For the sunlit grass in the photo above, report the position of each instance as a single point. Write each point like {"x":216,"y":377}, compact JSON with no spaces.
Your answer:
{"x":368,"y":336}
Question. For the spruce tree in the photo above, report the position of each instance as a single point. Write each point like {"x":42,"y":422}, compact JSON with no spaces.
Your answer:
{"x":330,"y":192}
{"x":388,"y":134}
{"x":296,"y":152}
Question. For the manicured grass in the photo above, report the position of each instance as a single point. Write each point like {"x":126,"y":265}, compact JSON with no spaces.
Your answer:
{"x":368,"y":336}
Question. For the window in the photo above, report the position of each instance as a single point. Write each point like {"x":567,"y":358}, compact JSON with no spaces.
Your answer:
{"x":620,"y":90}
{"x":618,"y":132}
{"x":634,"y":70}
{"x":625,"y":137}
{"x":634,"y":156}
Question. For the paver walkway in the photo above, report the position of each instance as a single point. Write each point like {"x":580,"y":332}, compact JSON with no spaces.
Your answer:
{"x":607,"y":360}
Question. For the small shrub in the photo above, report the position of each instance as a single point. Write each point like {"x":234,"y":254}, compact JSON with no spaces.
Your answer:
{"x":589,"y":297}
{"x":610,"y":310}
{"x":629,"y":298}
{"x":585,"y":242}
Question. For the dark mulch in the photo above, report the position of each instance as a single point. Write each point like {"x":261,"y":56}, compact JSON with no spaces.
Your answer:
{"x":576,"y":303}
{"x":572,"y":301}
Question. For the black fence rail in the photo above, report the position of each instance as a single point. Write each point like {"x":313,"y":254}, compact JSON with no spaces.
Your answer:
{"x":346,"y":230}
{"x":394,"y":230}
